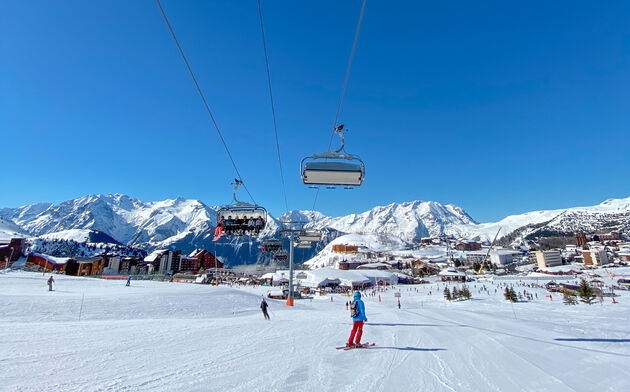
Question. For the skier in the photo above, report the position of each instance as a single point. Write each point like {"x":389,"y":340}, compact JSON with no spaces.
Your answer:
{"x":128,"y":280}
{"x":50,"y":283}
{"x":357,"y":312}
{"x":263,"y":306}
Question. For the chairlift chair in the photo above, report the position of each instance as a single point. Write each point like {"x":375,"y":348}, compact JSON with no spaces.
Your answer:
{"x":281,"y":255}
{"x":310,"y":236}
{"x":271,"y":246}
{"x":242,"y":218}
{"x":333,"y":168}
{"x":303,"y":245}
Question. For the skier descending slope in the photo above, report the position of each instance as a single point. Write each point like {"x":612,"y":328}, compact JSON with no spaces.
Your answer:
{"x":357,"y":312}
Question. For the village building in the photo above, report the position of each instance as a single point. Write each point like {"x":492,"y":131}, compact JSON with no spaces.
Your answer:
{"x":129,"y":264}
{"x":374,"y":266}
{"x":345,"y":249}
{"x":548,"y":258}
{"x":11,"y":250}
{"x":595,"y":257}
{"x":478,"y":257}
{"x":351,"y":264}
{"x":580,"y":239}
{"x":468,"y":245}
{"x":452,"y":275}
{"x":42,"y":262}
{"x":84,"y":266}
{"x":503,"y":256}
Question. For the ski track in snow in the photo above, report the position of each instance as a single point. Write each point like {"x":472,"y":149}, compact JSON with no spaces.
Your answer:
{"x":156,"y":336}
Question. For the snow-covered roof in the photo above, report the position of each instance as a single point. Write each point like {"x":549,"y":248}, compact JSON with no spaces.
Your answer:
{"x":52,"y":259}
{"x":451,"y":272}
{"x":154,"y":255}
{"x":373,"y":265}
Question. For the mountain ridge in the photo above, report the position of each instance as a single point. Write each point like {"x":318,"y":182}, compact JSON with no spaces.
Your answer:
{"x":189,"y":223}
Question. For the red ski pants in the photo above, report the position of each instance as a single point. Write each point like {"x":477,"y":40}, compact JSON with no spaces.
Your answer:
{"x":357,"y":329}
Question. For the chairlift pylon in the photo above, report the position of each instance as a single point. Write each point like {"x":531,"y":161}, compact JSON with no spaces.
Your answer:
{"x":333,"y":168}
{"x":241,"y":218}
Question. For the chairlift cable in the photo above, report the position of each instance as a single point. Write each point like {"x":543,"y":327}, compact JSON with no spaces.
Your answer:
{"x":203,"y":98}
{"x":273,"y":107}
{"x":343,"y":89}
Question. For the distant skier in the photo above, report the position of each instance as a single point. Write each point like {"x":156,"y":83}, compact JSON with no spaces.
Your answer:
{"x":50,"y":283}
{"x":357,"y":312}
{"x":128,"y":280}
{"x":263,"y":306}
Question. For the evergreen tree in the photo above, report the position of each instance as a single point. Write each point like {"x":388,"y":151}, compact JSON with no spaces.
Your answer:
{"x":569,"y":298}
{"x":510,"y":294}
{"x":586,"y":292}
{"x":447,"y":294}
{"x":465,"y":293}
{"x":456,"y":293}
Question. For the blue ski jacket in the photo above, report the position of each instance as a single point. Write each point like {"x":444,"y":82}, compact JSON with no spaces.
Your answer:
{"x":361,"y":316}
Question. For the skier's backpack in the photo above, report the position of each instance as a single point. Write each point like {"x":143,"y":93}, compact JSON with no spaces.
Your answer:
{"x":354,"y":309}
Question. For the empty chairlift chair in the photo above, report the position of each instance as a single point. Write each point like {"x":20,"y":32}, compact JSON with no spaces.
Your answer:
{"x":310,"y":236}
{"x":333,"y":168}
{"x":303,"y":245}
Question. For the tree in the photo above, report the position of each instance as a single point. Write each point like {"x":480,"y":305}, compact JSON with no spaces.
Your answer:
{"x":510,"y":294}
{"x":464,"y":292}
{"x":456,"y":293}
{"x":586,"y":292}
{"x":447,"y":294}
{"x":569,"y":298}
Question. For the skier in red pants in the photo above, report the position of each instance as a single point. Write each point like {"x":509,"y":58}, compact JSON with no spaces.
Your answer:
{"x":357,"y":312}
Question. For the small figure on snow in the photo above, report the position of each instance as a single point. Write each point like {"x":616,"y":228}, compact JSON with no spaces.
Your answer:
{"x":128,"y":280}
{"x":357,"y":312}
{"x":263,"y":306}
{"x":50,"y":283}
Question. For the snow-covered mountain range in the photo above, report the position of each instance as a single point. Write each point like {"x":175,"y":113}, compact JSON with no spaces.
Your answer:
{"x":186,"y":224}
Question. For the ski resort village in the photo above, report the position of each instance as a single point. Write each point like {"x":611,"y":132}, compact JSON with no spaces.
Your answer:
{"x":325,"y":196}
{"x":449,"y":304}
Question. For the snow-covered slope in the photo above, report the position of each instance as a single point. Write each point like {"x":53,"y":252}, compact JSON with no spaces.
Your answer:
{"x":8,"y":229}
{"x":611,"y":215}
{"x":405,"y":221}
{"x":98,"y":335}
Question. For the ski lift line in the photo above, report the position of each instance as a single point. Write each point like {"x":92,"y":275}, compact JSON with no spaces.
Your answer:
{"x":273,"y":107}
{"x":343,"y":89}
{"x":203,"y":98}
{"x":345,"y":82}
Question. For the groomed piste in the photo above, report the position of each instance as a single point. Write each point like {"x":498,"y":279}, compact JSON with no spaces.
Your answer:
{"x":97,"y":335}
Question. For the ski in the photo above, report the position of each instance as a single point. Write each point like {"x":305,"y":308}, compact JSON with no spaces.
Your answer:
{"x":363,"y":345}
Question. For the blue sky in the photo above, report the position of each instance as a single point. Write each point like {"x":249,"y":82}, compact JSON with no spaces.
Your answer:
{"x":498,"y":107}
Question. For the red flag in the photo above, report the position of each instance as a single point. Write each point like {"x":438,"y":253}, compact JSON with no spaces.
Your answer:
{"x":218,"y":233}
{"x":549,"y":296}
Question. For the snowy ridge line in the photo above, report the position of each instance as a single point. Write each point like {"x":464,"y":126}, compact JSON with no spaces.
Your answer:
{"x":188,"y":224}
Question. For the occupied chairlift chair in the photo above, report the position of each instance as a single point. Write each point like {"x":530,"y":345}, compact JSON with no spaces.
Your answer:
{"x":271,"y":246}
{"x":333,"y":168}
{"x":242,"y":218}
{"x":280,"y":255}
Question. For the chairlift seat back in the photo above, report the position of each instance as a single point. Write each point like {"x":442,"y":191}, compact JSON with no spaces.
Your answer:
{"x":333,"y":173}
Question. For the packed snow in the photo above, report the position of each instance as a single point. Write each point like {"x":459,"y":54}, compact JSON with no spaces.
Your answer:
{"x":98,"y":335}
